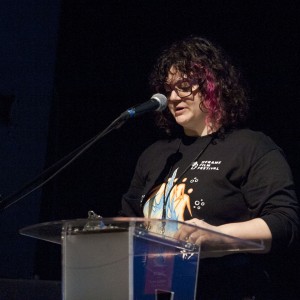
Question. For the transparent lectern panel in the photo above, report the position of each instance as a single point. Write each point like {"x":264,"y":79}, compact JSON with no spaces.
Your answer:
{"x":125,"y":261}
{"x":134,"y":258}
{"x":162,"y":270}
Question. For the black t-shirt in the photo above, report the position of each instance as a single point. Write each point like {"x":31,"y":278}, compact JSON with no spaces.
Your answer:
{"x":237,"y":177}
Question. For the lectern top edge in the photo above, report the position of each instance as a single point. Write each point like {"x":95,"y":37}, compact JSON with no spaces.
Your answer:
{"x":152,"y":229}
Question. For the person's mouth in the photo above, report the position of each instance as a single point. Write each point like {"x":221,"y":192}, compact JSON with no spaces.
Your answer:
{"x":179,"y":110}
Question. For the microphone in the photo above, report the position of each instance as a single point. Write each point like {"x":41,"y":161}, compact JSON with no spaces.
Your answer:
{"x":158,"y":102}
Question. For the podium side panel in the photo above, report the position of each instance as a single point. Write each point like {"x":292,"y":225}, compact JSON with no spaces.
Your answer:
{"x":95,"y":266}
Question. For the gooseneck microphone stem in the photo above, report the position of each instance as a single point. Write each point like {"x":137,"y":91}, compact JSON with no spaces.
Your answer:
{"x":59,"y":166}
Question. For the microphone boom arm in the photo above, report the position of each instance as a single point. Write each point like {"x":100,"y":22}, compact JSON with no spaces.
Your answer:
{"x":57,"y":167}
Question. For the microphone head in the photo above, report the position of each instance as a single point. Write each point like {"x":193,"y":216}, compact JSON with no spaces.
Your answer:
{"x":162,"y":100}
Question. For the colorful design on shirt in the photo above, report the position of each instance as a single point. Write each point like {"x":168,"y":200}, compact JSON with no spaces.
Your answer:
{"x":178,"y":200}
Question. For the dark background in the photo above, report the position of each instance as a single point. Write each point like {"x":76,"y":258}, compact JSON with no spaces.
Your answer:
{"x":69,"y":68}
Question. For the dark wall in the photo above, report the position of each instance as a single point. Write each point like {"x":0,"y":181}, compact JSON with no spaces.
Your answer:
{"x":105,"y":53}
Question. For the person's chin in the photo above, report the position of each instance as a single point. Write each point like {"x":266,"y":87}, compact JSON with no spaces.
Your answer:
{"x":181,"y":120}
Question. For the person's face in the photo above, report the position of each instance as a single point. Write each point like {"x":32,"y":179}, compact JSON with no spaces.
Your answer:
{"x":184,"y":100}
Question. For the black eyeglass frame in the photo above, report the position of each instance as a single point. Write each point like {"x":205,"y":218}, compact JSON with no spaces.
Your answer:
{"x":193,"y":85}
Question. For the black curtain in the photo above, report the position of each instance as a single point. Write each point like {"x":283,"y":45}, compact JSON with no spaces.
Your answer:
{"x":105,"y":53}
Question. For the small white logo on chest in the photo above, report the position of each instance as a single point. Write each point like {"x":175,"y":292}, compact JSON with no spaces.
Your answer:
{"x":206,"y":165}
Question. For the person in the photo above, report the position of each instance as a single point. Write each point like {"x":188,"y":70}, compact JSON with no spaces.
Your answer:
{"x":211,"y":170}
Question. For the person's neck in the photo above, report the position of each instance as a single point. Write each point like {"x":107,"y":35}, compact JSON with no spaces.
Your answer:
{"x":205,"y":130}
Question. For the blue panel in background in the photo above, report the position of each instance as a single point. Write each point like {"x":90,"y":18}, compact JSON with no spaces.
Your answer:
{"x":28,"y":35}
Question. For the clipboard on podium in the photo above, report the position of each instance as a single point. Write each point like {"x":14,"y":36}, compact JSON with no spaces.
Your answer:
{"x":132,"y":258}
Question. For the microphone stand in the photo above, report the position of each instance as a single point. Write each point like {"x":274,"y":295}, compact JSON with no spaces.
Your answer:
{"x":60,"y":165}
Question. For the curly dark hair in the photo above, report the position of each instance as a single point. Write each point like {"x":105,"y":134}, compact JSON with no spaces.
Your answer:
{"x":224,"y":97}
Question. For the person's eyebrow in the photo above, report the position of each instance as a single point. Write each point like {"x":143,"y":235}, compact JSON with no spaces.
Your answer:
{"x":175,"y":81}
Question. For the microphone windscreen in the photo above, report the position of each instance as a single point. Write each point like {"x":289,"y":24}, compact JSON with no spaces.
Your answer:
{"x":162,"y":100}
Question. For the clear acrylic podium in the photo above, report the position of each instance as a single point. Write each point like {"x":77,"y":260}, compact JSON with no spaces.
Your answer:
{"x":132,"y":258}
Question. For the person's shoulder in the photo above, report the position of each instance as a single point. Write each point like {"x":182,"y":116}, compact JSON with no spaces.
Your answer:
{"x":160,"y":146}
{"x":248,"y":135}
{"x":250,"y":138}
{"x":163,"y":143}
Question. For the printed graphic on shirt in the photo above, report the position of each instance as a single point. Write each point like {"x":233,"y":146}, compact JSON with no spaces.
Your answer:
{"x":178,"y":201}
{"x":206,"y":165}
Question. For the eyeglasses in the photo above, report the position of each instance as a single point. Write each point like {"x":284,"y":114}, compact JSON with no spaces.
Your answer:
{"x":183,"y":87}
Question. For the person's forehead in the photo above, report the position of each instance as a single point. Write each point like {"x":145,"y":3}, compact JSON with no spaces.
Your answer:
{"x":174,"y":75}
